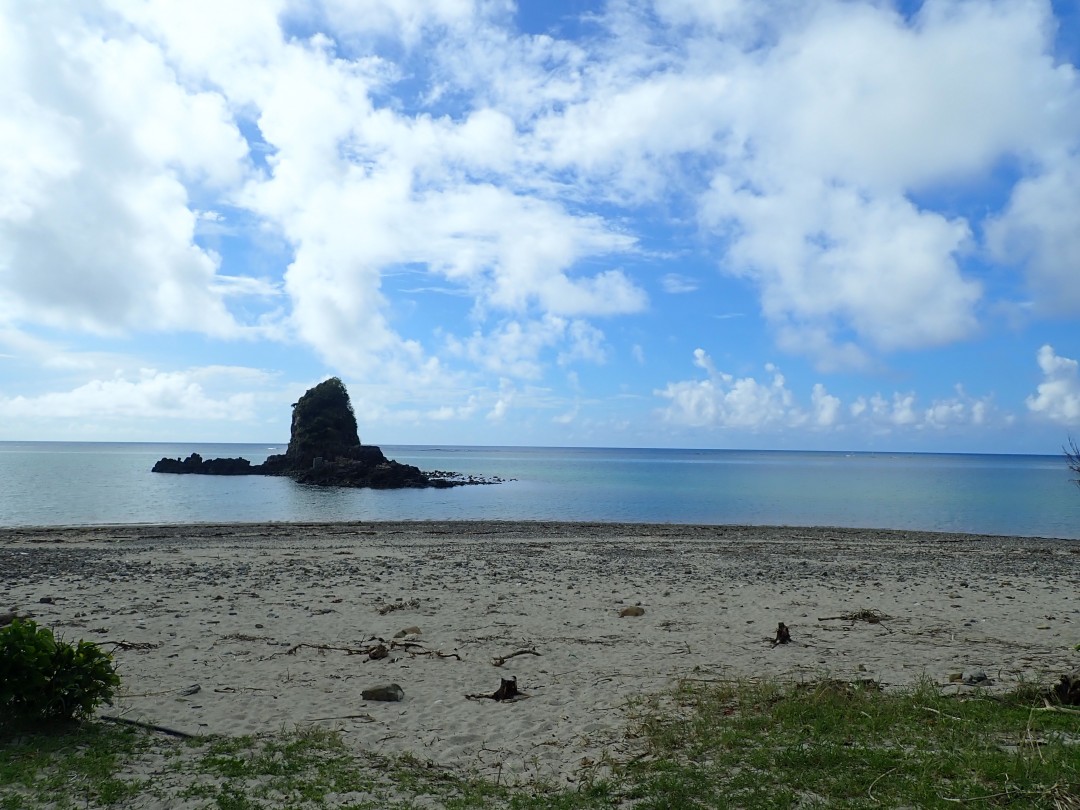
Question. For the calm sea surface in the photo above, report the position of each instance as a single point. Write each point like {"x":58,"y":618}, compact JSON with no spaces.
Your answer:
{"x":49,"y":484}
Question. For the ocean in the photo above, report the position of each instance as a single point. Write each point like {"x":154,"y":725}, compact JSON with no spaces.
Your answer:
{"x":61,"y":483}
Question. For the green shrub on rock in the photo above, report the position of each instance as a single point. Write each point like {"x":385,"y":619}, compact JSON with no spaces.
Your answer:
{"x":45,"y":678}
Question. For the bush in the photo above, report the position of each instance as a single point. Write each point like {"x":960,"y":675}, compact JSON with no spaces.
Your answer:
{"x":45,"y":678}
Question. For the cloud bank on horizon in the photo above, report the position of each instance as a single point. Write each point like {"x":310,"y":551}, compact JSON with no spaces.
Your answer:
{"x":751,"y":223}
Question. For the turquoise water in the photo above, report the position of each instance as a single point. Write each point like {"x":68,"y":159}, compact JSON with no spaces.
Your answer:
{"x":43,"y":483}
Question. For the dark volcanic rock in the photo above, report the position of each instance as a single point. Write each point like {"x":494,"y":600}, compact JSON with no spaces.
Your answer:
{"x":324,"y":426}
{"x":213,"y":466}
{"x":325,"y":450}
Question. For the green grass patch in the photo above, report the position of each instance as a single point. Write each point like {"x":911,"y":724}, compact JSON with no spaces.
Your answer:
{"x":829,"y":744}
{"x":68,"y":765}
{"x":704,"y":745}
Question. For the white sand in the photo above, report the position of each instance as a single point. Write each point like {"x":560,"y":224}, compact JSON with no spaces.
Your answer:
{"x":223,"y":608}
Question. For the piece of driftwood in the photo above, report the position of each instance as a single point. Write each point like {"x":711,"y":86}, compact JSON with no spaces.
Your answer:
{"x":507,"y":691}
{"x":864,"y":615}
{"x":367,"y":718}
{"x":132,"y":645}
{"x":436,"y":653}
{"x":172,"y":732}
{"x":375,"y":652}
{"x":502,"y":659}
{"x":783,"y":634}
{"x":392,"y":606}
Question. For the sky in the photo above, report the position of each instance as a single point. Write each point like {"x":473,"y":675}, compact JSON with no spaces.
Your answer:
{"x":765,"y":224}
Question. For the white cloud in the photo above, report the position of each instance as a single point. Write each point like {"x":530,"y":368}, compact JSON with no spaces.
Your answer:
{"x":153,"y":395}
{"x":1057,"y":398}
{"x":99,"y":143}
{"x":826,"y":407}
{"x":826,"y":258}
{"x":1039,"y":231}
{"x":722,"y":400}
{"x":902,"y":411}
{"x":517,"y":348}
{"x":676,"y":283}
{"x":812,"y":143}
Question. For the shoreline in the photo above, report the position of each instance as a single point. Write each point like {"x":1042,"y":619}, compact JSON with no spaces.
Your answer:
{"x":599,"y":528}
{"x":269,"y":621}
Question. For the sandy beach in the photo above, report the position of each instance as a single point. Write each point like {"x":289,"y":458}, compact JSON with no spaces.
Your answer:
{"x":240,"y":629}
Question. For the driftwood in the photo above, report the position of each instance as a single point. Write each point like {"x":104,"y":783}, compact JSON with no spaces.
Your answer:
{"x":864,"y":615}
{"x":324,"y":647}
{"x":392,"y":606}
{"x":502,"y":659}
{"x":507,"y":691}
{"x":172,"y":732}
{"x":783,"y":634}
{"x":367,"y":718}
{"x":132,"y":645}
{"x":374,"y":652}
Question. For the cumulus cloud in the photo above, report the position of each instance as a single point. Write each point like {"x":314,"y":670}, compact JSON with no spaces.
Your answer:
{"x":99,"y":146}
{"x":722,"y":400}
{"x":1057,"y":397}
{"x":151,"y":395}
{"x":516,"y":349}
{"x":1038,"y":232}
{"x":815,"y":145}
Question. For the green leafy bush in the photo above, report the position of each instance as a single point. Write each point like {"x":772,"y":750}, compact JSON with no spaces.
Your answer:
{"x":45,"y":678}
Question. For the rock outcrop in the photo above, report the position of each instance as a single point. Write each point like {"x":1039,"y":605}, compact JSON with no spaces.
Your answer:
{"x":214,"y":466}
{"x":325,"y":450}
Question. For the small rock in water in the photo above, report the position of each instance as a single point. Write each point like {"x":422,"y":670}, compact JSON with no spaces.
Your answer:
{"x":389,"y":692}
{"x":408,"y":631}
{"x":633,"y":610}
{"x":972,"y":677}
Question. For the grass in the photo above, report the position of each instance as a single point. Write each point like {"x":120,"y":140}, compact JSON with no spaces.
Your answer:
{"x":829,"y":744}
{"x":69,"y":765}
{"x":705,"y":745}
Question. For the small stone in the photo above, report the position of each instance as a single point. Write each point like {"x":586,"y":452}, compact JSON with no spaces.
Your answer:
{"x":633,"y":610}
{"x":956,"y":677}
{"x":389,"y":692}
{"x":408,"y":631}
{"x":972,"y":677}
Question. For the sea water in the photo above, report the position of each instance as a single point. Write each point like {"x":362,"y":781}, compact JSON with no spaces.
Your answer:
{"x":54,"y":483}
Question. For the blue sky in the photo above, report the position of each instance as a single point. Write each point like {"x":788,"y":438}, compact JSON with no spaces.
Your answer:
{"x":811,"y":224}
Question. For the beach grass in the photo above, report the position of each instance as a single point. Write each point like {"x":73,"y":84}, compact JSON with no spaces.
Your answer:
{"x":744,"y":744}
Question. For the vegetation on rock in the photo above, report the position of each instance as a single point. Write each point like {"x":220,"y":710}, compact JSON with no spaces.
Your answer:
{"x":323,"y":426}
